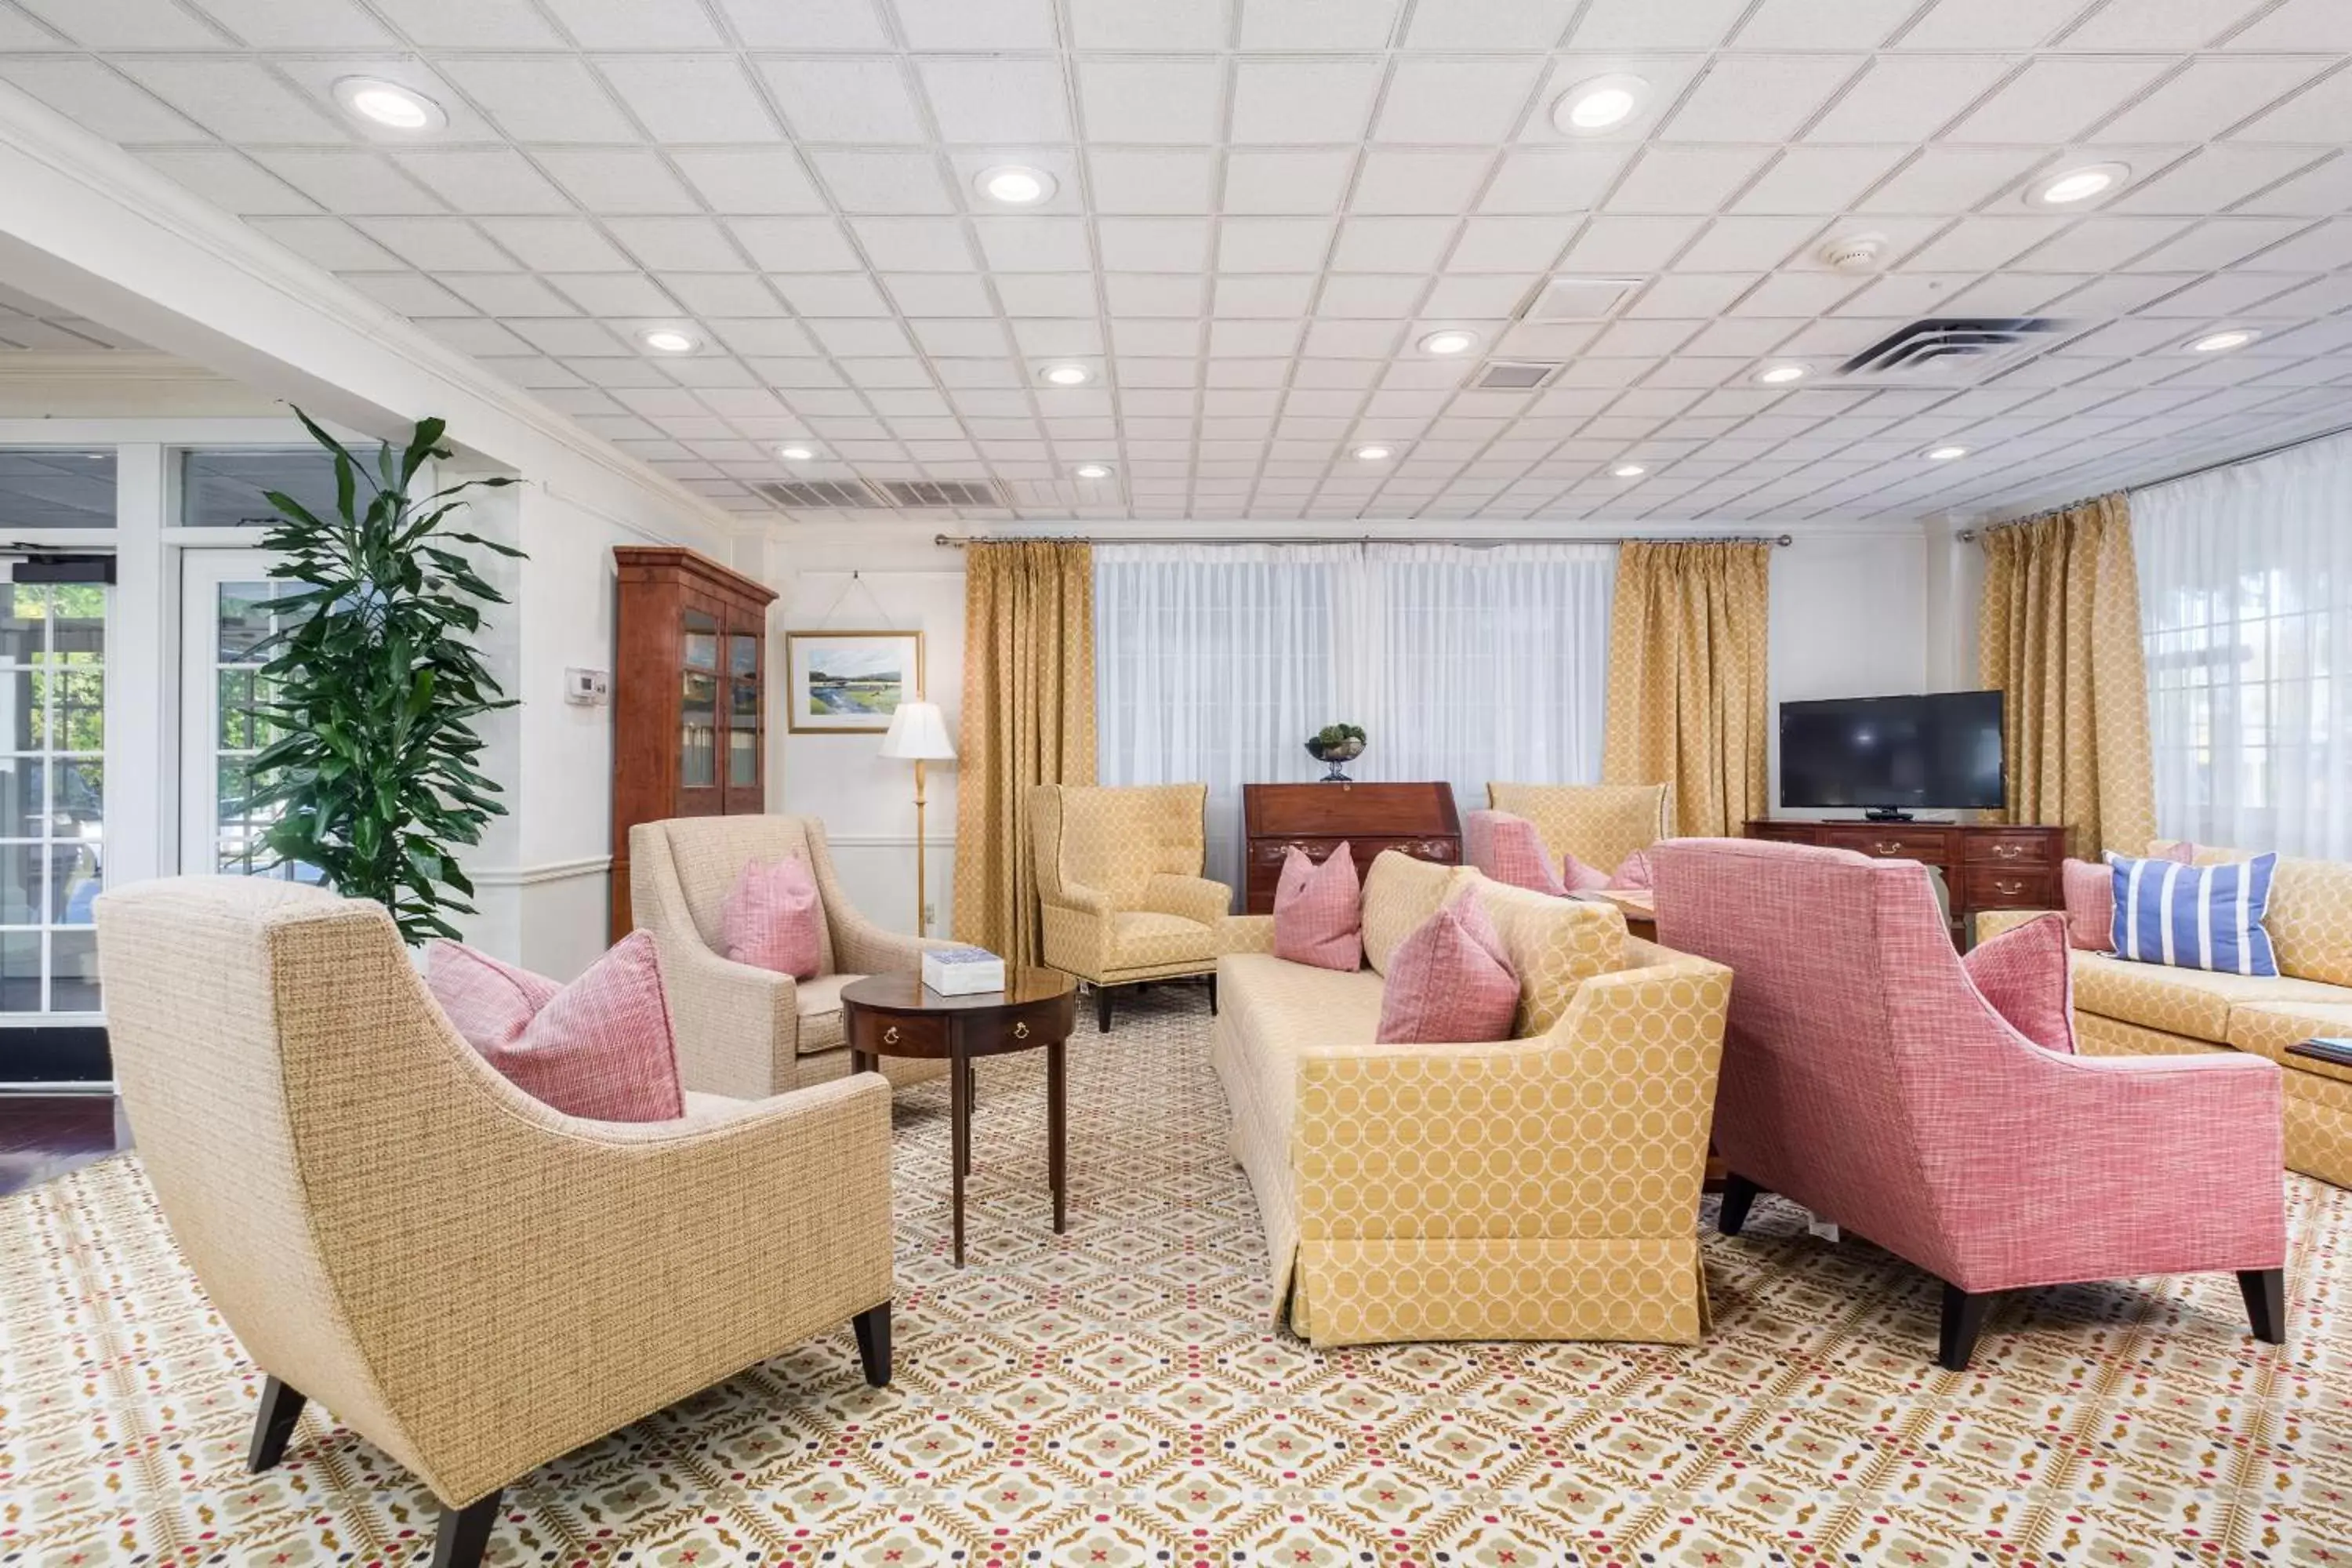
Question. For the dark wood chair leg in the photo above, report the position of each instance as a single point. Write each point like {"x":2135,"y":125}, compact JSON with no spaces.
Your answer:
{"x":873,"y":1326}
{"x":280,"y":1408}
{"x":1212,"y":993}
{"x":1963,"y":1320}
{"x":2265,"y":1293}
{"x":1739,"y":1197}
{"x":464,"y":1533}
{"x":1102,"y":1008}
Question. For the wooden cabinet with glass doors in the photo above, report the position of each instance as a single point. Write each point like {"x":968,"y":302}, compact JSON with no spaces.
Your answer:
{"x":689,"y":696}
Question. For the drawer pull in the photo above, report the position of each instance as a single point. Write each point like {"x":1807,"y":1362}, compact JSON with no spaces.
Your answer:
{"x":1021,"y":1031}
{"x":2009,"y":890}
{"x":890,"y":1036}
{"x":1884,"y":847}
{"x":2007,"y":851}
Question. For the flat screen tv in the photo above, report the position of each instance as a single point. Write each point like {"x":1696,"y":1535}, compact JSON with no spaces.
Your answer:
{"x":1893,"y":754}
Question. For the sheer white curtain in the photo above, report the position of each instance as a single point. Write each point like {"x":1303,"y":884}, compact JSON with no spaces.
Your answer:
{"x":1216,"y":662}
{"x":2245,"y":583}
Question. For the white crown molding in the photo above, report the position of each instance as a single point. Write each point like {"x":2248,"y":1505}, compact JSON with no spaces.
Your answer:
{"x":113,"y":366}
{"x":542,"y":873}
{"x":39,"y":133}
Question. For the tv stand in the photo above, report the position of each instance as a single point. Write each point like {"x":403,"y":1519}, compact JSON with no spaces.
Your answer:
{"x":1986,"y":864}
{"x":1887,"y":814}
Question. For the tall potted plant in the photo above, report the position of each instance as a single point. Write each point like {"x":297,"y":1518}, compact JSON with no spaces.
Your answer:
{"x":374,"y":688}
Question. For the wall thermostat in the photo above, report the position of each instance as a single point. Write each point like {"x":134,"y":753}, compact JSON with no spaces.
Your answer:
{"x":587,"y":687}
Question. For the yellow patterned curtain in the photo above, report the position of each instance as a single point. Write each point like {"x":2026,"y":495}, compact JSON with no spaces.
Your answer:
{"x":1686,"y":669}
{"x":1028,"y":718}
{"x":2059,"y":635}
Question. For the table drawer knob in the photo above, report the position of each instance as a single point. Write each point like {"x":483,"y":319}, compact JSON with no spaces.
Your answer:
{"x":2009,"y":890}
{"x":1884,"y":847}
{"x":1021,"y":1031}
{"x":2007,"y":851}
{"x":890,"y":1036}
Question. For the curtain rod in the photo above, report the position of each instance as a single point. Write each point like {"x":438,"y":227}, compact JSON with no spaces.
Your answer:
{"x":955,"y":541}
{"x":1968,"y":535}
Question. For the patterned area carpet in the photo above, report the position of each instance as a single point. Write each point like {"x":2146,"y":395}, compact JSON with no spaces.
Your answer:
{"x":1119,"y":1397}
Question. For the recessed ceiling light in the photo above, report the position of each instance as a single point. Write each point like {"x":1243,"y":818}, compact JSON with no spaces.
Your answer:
{"x":669,"y":340}
{"x":1603,"y":103}
{"x":1628,"y":471}
{"x":1946,"y":454}
{"x":796,"y":454}
{"x":1373,"y":454}
{"x":2073,"y":186}
{"x":1781,"y":374}
{"x":1450,"y":342}
{"x":1068,"y":373}
{"x":2223,"y":342}
{"x":1016,"y":184}
{"x":1093,"y":470}
{"x":389,"y":104}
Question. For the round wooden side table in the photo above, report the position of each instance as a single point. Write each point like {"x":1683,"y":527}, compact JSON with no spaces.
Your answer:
{"x":899,"y":1015}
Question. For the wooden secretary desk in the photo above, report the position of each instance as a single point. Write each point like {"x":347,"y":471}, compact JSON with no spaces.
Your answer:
{"x":689,"y":696}
{"x":1417,"y":818}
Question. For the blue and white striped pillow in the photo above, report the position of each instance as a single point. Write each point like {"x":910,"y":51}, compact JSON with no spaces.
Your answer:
{"x":2194,"y":917}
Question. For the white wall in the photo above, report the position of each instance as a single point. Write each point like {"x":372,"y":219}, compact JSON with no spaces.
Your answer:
{"x":867,"y":801}
{"x":1849,"y":619}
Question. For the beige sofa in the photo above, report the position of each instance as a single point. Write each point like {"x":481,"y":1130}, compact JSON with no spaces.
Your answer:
{"x":1545,"y":1188}
{"x":2128,"y":1008}
{"x":745,"y":1032}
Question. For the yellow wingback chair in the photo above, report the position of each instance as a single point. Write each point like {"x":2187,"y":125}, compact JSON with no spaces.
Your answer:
{"x":472,"y":1281}
{"x":1601,"y":825}
{"x":1119,"y":883}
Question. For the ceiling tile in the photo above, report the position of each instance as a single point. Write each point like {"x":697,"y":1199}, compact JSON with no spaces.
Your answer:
{"x":2212,"y":179}
{"x":2217,"y":244}
{"x":313,"y":24}
{"x":1511,"y":244}
{"x":1906,"y":99}
{"x":1758,"y":98}
{"x":1615,"y":244}
{"x":1823,"y":24}
{"x":2317,"y":115}
{"x":1146,"y":294}
{"x":350,"y":181}
{"x":2144,"y":25}
{"x":749,"y":179}
{"x":677,"y":244}
{"x":614,"y":293}
{"x":1644,"y":25}
{"x":1485,"y":24}
{"x":1818,"y":179}
{"x":99,"y":100}
{"x":633,"y":24}
{"x":1287,"y":182}
{"x":2317,"y":192}
{"x":616,"y":180}
{"x":557,"y":245}
{"x":483,"y":180}
{"x":913,"y":244}
{"x":1140,"y":182}
{"x":1683,"y":179}
{"x":690,"y":98}
{"x":543,"y":99}
{"x":472,"y":24}
{"x":1546,"y":181}
{"x":999,"y":100}
{"x":1034,"y":244}
{"x":2096,"y":244}
{"x":1147,"y":243}
{"x":228,"y":180}
{"x":2054,"y":101}
{"x":436,"y":245}
{"x":126,"y":24}
{"x":1319,"y":25}
{"x":862,"y":102}
{"x":1148,"y":25}
{"x":236,"y":101}
{"x":881,"y":182}
{"x":1279,"y":101}
{"x":984,"y":24}
{"x":832,"y":294}
{"x":2300,"y":25}
{"x":1273,"y":244}
{"x":2204,"y":100}
{"x":330,"y":242}
{"x":1469,"y":102}
{"x":1160,"y":101}
{"x":939,"y":294}
{"x":1393,"y":181}
{"x":1949,"y":179}
{"x":794,"y":243}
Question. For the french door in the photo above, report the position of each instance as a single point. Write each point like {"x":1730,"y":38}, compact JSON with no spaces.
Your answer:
{"x":228,"y":609}
{"x":52,"y":794}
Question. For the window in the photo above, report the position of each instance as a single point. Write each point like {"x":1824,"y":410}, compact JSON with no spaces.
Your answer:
{"x":228,"y":489}
{"x":56,"y":488}
{"x":246,"y":617}
{"x":52,"y":793}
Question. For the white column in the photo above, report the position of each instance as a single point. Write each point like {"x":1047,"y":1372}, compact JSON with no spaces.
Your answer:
{"x":143,"y":756}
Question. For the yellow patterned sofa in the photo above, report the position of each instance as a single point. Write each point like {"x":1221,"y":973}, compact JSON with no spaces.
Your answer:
{"x":2125,"y":1009}
{"x":1119,"y":889}
{"x":1599,"y":823}
{"x":1541,"y":1188}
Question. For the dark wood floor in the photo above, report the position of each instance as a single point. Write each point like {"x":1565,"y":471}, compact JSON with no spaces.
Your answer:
{"x":45,"y":1135}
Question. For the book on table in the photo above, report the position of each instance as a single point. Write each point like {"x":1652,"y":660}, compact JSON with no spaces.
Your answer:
{"x":2333,"y":1048}
{"x":961,"y":971}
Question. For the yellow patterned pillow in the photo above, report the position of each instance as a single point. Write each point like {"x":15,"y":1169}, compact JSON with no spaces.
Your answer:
{"x":2310,"y":920}
{"x":1555,"y":944}
{"x":1400,"y":892}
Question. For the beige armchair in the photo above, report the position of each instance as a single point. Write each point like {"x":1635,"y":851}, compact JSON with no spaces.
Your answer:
{"x":1119,"y":884}
{"x":1601,"y":825}
{"x":743,"y":1031}
{"x":474,"y":1283}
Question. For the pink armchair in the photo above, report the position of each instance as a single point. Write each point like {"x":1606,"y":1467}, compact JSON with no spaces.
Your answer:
{"x":1866,"y":1078}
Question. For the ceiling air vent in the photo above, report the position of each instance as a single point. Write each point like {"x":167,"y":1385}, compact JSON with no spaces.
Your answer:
{"x":1513,"y":376}
{"x":1945,"y":344}
{"x":969,"y":494}
{"x":821,"y":495}
{"x":1580,"y":299}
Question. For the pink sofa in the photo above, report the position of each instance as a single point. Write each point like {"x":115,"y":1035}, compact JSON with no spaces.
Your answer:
{"x":1864,"y":1077}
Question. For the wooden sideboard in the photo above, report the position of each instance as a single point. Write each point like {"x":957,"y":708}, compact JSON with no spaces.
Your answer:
{"x":1986,"y":864}
{"x":1417,"y":818}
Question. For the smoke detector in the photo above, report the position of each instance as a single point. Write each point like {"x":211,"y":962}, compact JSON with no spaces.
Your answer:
{"x":1852,"y":252}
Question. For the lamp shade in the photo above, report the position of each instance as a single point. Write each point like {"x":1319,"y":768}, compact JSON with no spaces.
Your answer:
{"x":918,"y":734}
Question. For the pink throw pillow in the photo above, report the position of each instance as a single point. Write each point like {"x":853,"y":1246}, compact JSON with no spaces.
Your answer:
{"x":1318,"y":910}
{"x":2088,"y":893}
{"x":774,"y":920}
{"x":2026,"y":974}
{"x":1578,"y":877}
{"x":600,"y":1048}
{"x":1507,"y":849}
{"x":1449,"y":981}
{"x":1634,"y":873}
{"x":2180,"y":851}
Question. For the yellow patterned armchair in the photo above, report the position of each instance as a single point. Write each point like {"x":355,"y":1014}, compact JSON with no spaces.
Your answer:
{"x":1601,"y":825}
{"x":1119,"y":884}
{"x":1543,"y":1188}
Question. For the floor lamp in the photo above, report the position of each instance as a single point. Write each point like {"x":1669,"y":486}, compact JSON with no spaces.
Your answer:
{"x":918,"y":734}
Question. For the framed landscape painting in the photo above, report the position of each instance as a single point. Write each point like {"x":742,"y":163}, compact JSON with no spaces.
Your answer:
{"x":848,"y":683}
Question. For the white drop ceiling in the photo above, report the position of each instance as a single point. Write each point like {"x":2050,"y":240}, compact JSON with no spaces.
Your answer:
{"x":35,"y":326}
{"x":1264,"y":204}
